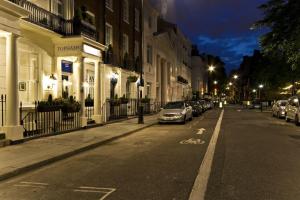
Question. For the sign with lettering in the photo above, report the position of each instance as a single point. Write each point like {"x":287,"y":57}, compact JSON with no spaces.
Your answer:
{"x":68,"y":50}
{"x":66,"y":66}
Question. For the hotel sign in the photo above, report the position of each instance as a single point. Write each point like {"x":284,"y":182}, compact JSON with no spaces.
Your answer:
{"x":68,"y":50}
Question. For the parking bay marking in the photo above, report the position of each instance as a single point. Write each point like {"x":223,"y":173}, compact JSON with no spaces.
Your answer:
{"x":201,"y":131}
{"x":192,"y":141}
{"x":101,"y":190}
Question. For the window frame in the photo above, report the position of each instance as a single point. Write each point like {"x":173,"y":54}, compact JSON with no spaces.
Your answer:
{"x":109,"y":4}
{"x":125,"y":13}
{"x":111,"y":35}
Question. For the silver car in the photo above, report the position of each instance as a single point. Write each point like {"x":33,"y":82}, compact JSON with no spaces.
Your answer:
{"x":178,"y":111}
{"x":292,"y":110}
{"x":278,"y":109}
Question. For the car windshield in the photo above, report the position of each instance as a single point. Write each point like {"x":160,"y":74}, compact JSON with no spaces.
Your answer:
{"x":174,"y":105}
{"x":283,"y":104}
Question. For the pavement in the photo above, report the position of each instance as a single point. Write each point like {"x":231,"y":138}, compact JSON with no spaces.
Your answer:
{"x":32,"y":154}
{"x":157,"y":163}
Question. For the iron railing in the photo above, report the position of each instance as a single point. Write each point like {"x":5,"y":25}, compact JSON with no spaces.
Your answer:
{"x":54,"y":119}
{"x":58,"y":24}
{"x":116,"y":109}
{"x":3,"y":109}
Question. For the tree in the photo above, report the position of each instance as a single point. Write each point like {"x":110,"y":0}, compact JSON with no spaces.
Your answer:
{"x":282,"y":17}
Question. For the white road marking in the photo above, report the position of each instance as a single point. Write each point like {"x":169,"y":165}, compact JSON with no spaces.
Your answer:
{"x":201,"y":131}
{"x":105,"y":191}
{"x":192,"y":141}
{"x":200,"y":185}
{"x":33,"y":186}
{"x":33,"y":183}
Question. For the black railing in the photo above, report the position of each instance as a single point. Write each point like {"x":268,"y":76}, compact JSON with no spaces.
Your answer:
{"x":37,"y":122}
{"x":3,"y":109}
{"x":119,"y":109}
{"x":89,"y":112}
{"x":56,"y":23}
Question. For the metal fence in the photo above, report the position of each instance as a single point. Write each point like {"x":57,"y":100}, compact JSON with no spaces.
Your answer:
{"x":89,"y":112}
{"x":37,"y":122}
{"x":114,"y":109}
{"x":3,"y":109}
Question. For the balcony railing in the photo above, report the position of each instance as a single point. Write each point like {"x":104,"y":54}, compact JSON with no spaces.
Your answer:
{"x":56,"y":23}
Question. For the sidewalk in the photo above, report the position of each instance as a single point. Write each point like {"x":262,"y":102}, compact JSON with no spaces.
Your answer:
{"x":17,"y":159}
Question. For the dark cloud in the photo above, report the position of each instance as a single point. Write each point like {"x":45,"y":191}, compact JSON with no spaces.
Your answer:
{"x":220,"y":27}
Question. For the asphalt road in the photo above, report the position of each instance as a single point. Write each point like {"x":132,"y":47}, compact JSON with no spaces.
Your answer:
{"x":256,"y":158}
{"x":158,"y":163}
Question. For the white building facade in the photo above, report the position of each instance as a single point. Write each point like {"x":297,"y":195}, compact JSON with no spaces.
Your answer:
{"x":42,"y":55}
{"x":167,"y":59}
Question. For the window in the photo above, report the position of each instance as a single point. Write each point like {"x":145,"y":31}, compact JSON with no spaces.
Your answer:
{"x":109,"y":4}
{"x":108,"y":34}
{"x":150,"y":21}
{"x":90,"y":17}
{"x":149,"y":54}
{"x":60,"y":8}
{"x":137,"y":20}
{"x":126,"y":11}
{"x":148,"y":90}
{"x":125,"y":44}
{"x":136,"y":49}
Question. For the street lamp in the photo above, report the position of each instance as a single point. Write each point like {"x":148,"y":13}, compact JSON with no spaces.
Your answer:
{"x":230,"y":84}
{"x":235,"y":76}
{"x":215,"y":82}
{"x":261,"y":86}
{"x":211,"y":68}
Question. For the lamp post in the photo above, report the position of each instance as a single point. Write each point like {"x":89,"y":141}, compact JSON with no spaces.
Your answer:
{"x":261,"y":86}
{"x":210,"y":70}
{"x":140,"y":96}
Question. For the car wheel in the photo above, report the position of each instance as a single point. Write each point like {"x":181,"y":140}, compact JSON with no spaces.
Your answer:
{"x":184,"y":120}
{"x":297,"y":120}
{"x":191,"y":118}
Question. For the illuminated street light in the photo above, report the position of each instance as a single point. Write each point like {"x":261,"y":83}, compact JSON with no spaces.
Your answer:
{"x":261,"y":86}
{"x":215,"y":82}
{"x":211,"y":68}
{"x":235,"y":76}
{"x":254,"y":91}
{"x":230,"y":84}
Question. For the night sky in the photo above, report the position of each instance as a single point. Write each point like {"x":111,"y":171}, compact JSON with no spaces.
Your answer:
{"x":218,"y":27}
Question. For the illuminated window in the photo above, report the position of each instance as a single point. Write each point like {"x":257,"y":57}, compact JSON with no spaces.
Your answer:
{"x":108,"y":34}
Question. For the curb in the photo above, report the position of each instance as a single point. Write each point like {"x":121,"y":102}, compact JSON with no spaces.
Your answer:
{"x":69,"y":154}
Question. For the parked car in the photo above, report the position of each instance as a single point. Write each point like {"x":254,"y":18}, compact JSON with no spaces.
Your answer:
{"x":256,"y":104}
{"x":278,"y":109}
{"x":292,"y":110}
{"x":197,"y":108}
{"x":204,"y":105}
{"x":178,"y":111}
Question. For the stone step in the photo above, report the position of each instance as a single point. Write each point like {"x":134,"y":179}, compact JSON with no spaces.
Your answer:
{"x":2,"y":136}
{"x":4,"y":143}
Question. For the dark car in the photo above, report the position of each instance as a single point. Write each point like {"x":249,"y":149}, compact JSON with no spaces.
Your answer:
{"x":197,"y":108}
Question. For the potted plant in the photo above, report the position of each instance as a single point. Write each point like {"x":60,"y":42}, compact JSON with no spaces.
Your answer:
{"x":123,"y":99}
{"x":70,"y":105}
{"x":132,"y":79}
{"x":145,"y":100}
{"x":89,"y":102}
{"x":48,"y":106}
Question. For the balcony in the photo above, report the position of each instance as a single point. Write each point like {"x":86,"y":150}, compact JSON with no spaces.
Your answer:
{"x":50,"y":21}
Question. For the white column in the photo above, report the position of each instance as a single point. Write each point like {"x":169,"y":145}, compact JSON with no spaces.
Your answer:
{"x":12,"y":129}
{"x":81,"y":92}
{"x":164,"y":82}
{"x":97,"y":94}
